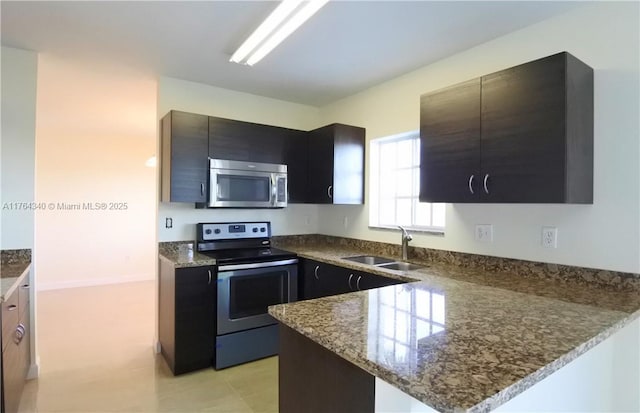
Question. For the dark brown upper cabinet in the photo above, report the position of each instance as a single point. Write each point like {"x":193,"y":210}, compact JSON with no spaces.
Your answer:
{"x":336,"y":165}
{"x":185,"y":169}
{"x":450,"y":143}
{"x":323,"y":166}
{"x":245,"y":141}
{"x":521,"y":135}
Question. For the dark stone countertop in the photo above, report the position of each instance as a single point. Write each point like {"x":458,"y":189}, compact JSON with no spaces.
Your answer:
{"x":474,"y":338}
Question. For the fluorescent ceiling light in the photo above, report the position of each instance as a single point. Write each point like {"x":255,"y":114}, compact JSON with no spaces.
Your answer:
{"x":275,"y":29}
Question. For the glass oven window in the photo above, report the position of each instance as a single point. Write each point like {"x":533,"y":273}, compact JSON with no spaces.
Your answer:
{"x":243,"y":188}
{"x":251,"y":294}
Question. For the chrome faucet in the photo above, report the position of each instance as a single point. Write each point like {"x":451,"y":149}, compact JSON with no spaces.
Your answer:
{"x":406,"y":237}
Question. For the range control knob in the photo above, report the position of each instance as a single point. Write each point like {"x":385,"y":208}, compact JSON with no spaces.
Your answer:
{"x":263,"y":229}
{"x":217,"y":230}
{"x":207,"y":231}
{"x":255,"y":229}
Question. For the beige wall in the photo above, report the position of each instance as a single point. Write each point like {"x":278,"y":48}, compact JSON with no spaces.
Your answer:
{"x":175,"y":94}
{"x":603,"y":235}
{"x":95,"y":128}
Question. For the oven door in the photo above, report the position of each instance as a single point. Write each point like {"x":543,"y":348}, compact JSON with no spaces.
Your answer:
{"x":246,"y":290}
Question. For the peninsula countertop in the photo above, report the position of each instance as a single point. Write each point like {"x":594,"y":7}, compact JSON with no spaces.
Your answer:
{"x":458,"y":339}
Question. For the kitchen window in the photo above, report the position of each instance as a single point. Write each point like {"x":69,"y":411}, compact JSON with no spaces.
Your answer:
{"x":395,"y":186}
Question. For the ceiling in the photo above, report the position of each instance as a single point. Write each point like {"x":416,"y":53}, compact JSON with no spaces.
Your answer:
{"x":348,"y":46}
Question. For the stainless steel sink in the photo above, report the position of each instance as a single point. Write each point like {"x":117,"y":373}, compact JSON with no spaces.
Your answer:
{"x":401,"y":266}
{"x":369,"y":259}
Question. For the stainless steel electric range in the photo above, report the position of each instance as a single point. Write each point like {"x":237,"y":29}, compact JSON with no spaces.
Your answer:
{"x":251,"y":276}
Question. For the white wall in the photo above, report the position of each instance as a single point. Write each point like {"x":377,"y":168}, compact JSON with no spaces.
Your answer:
{"x":19,"y":68}
{"x":17,"y":141}
{"x":95,"y":129}
{"x":603,"y":235}
{"x":176,"y":94}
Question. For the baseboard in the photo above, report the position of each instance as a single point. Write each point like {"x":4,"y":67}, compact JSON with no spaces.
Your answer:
{"x":34,"y":370}
{"x":45,"y":286}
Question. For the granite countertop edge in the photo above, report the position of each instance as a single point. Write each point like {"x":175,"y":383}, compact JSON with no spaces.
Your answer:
{"x":176,"y":261}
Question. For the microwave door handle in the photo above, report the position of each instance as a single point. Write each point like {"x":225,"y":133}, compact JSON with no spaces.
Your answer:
{"x":274,"y":191}
{"x":217,"y":183}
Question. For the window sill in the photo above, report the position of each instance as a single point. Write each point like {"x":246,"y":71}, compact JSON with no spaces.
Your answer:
{"x":439,"y":233}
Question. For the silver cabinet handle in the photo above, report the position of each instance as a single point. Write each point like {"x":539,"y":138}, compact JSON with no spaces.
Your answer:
{"x":486,"y":178}
{"x":350,"y":277}
{"x":315,"y":272}
{"x":201,"y":188}
{"x":25,"y":287}
{"x":358,"y":282}
{"x":210,"y":277}
{"x":12,"y":307}
{"x":471,"y":184}
{"x":330,"y":191}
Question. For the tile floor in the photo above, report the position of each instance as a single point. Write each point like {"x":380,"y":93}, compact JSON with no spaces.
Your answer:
{"x":96,"y":355}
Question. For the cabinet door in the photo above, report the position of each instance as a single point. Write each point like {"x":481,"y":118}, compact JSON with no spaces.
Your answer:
{"x":296,"y":159}
{"x":185,"y":168}
{"x":523,"y":132}
{"x":322,"y":280}
{"x":245,"y":141}
{"x":12,"y":379}
{"x":336,"y":165}
{"x":320,"y":166}
{"x":15,"y":365}
{"x":369,"y":281}
{"x":195,"y":301}
{"x":311,"y":283}
{"x":341,"y":280}
{"x":450,"y":144}
{"x":348,"y":164}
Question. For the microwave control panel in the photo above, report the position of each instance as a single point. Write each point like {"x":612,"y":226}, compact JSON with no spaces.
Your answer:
{"x":234,"y":230}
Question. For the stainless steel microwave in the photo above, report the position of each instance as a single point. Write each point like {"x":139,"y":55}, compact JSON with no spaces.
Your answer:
{"x":238,"y":184}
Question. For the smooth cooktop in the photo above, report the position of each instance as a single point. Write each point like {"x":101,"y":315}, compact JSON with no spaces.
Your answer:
{"x":248,"y":255}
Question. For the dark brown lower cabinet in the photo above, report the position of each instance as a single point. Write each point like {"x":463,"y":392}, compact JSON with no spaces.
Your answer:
{"x":315,"y":380}
{"x":320,"y":280}
{"x":186,"y":322}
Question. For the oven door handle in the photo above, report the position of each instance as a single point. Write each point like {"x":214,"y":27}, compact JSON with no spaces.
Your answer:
{"x":251,"y":266}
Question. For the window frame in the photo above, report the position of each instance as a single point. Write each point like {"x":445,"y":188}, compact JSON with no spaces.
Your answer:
{"x":375,"y":185}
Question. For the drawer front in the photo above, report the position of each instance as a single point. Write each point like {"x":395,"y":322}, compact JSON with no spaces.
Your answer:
{"x":16,"y":363}
{"x":24,"y":296}
{"x":10,"y":318}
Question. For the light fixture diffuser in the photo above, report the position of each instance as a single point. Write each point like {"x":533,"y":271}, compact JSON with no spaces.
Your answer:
{"x":283,"y":21}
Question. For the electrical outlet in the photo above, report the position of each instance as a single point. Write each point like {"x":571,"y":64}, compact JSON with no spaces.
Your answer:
{"x":550,"y":237}
{"x":168,"y":223}
{"x":484,"y":233}
{"x":345,"y":221}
